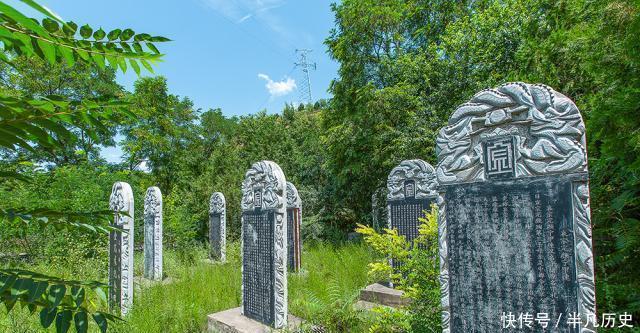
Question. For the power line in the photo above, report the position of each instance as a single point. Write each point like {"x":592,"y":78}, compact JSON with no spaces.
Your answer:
{"x":305,"y":83}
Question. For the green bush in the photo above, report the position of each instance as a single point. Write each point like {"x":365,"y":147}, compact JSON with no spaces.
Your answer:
{"x":417,"y":276}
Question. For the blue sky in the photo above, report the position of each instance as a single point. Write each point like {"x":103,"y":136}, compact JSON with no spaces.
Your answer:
{"x":237,"y":55}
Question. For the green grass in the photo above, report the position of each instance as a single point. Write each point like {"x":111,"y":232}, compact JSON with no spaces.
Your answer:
{"x":330,"y":279}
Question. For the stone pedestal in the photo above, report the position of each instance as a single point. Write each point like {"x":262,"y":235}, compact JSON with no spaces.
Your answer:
{"x":232,"y":321}
{"x":379,"y":294}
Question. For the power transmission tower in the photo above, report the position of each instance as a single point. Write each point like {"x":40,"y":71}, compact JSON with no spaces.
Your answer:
{"x":305,"y":84}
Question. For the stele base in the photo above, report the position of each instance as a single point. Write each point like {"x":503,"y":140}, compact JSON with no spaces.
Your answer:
{"x":232,"y":321}
{"x":379,"y":294}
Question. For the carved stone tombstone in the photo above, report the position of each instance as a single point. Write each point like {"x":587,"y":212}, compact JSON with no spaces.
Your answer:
{"x":412,"y":189}
{"x":218,"y":227}
{"x":264,"y":245}
{"x":153,"y":234}
{"x":294,"y":222}
{"x":514,"y":219}
{"x":121,"y":249}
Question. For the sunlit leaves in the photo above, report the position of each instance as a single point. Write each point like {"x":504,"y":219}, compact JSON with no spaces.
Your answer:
{"x":53,"y":38}
{"x":61,"y":301}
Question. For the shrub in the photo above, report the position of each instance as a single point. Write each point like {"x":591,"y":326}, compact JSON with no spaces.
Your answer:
{"x":417,"y":276}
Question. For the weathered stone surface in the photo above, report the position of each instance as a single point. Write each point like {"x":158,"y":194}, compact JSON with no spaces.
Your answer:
{"x":411,"y":190}
{"x":218,"y":227}
{"x":380,"y":294}
{"x":153,"y":234}
{"x":121,"y":249}
{"x":232,"y":321}
{"x":294,"y":223}
{"x":514,"y":221}
{"x":264,"y":245}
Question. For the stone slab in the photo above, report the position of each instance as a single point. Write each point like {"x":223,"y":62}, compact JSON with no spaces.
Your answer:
{"x":377,"y":293}
{"x":232,"y":321}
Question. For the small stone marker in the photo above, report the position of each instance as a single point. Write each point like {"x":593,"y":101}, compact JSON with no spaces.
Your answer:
{"x":218,"y":227}
{"x":294,"y":222}
{"x":412,"y":189}
{"x":121,"y":249}
{"x":153,"y":234}
{"x":264,"y":245}
{"x":514,"y":220}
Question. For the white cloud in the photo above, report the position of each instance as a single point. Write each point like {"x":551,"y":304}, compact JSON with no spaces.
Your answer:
{"x":278,"y":88}
{"x":240,"y":11}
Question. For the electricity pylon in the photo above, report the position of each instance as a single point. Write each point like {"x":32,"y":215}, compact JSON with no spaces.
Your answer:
{"x":305,"y":84}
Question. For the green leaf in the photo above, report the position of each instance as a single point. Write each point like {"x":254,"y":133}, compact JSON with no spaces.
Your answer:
{"x":114,"y":34}
{"x":46,"y":316}
{"x":80,"y":319}
{"x":138,"y":47}
{"x":146,"y":65}
{"x":101,"y":320}
{"x":48,"y":50}
{"x":36,"y":291}
{"x":6,"y":281}
{"x":68,"y":55}
{"x":101,"y":294}
{"x":43,"y":10}
{"x":51,"y":25}
{"x":126,"y":34}
{"x":27,"y":22}
{"x":135,"y":66}
{"x":159,"y":39}
{"x":63,"y":321}
{"x":153,"y":48}
{"x":70,"y":29}
{"x":85,"y":31}
{"x":77,"y":294}
{"x":99,"y":34}
{"x":56,"y":293}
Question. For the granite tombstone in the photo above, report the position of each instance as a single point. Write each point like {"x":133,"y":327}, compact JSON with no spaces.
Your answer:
{"x":218,"y":227}
{"x":514,"y":217}
{"x":264,"y":245}
{"x":121,"y":249}
{"x":412,"y":189}
{"x":294,"y":222}
{"x":153,"y":234}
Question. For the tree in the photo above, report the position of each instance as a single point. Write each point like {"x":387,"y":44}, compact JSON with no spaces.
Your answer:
{"x":41,"y":123}
{"x":162,"y":127}
{"x":33,"y":77}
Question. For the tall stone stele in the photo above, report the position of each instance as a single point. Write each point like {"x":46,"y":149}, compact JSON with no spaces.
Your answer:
{"x":121,"y":249}
{"x":412,"y":187}
{"x":218,"y":227}
{"x":294,"y":223}
{"x":264,"y":245}
{"x":153,"y":234}
{"x":514,"y":216}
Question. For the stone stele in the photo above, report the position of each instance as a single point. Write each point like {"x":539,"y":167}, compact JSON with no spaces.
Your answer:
{"x":514,"y":218}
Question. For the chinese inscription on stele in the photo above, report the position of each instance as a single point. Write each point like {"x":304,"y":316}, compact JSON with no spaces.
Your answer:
{"x":514,"y":219}
{"x":264,"y":245}
{"x":121,"y":249}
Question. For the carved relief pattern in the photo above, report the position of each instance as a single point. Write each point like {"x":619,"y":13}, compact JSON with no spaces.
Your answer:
{"x":267,"y":178}
{"x":121,"y":200}
{"x":217,"y":205}
{"x":293,"y":198}
{"x":417,"y":170}
{"x":547,"y":127}
{"x":443,"y":252}
{"x":153,"y":229}
{"x":548,"y":137}
{"x":584,"y":255}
